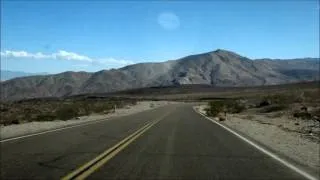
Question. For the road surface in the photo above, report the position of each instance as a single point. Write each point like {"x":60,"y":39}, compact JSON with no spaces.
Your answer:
{"x":171,"y":142}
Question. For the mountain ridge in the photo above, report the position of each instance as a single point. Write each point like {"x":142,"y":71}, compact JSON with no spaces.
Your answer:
{"x":219,"y":68}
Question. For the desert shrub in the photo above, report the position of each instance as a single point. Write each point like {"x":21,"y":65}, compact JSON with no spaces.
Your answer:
{"x":133,"y":102}
{"x":67,"y":112}
{"x":234,"y":106}
{"x":230,"y":106}
{"x":276,"y":99}
{"x":249,"y":117}
{"x":222,"y":118}
{"x":312,"y":95}
{"x":3,"y":109}
{"x":215,"y":107}
{"x":101,"y":107}
{"x":302,"y":115}
{"x":298,"y":99}
{"x":64,"y":109}
{"x":276,"y":115}
{"x":45,"y":117}
{"x":15,"y":121}
{"x":84,"y":109}
{"x":281,"y":99}
{"x":263,"y":103}
{"x":273,"y":108}
{"x":316,"y":112}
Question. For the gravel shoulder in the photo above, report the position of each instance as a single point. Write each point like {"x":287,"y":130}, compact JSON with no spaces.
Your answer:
{"x":277,"y":134}
{"x":16,"y":130}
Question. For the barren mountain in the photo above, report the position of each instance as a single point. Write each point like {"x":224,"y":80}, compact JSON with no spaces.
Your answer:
{"x":43,"y":86}
{"x":216,"y":68}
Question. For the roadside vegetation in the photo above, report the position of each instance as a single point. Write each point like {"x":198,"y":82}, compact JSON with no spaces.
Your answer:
{"x":219,"y":108}
{"x":50,"y":110}
{"x":298,"y":104}
{"x":294,"y":110}
{"x":303,"y":104}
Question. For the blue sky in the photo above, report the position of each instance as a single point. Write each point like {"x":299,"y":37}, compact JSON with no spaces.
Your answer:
{"x":57,"y":36}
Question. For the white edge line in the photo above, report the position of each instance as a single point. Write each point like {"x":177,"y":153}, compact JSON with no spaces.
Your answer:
{"x":53,"y":130}
{"x":274,"y":156}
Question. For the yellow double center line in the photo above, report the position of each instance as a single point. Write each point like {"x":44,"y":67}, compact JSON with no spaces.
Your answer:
{"x":88,"y":168}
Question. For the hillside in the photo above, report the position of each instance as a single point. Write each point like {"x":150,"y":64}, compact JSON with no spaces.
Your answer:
{"x":218,"y":68}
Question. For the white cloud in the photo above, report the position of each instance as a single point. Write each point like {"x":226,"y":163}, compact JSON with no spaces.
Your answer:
{"x":23,"y":54}
{"x":63,"y":55}
{"x":115,"y":61}
{"x":40,"y":55}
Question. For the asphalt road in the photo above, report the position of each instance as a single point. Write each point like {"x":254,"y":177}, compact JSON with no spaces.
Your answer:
{"x":181,"y":144}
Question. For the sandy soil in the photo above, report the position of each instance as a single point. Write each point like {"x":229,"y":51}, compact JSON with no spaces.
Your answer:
{"x":280,"y":134}
{"x":35,"y":127}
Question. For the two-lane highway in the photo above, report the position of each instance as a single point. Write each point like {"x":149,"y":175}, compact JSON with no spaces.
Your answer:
{"x":171,"y":142}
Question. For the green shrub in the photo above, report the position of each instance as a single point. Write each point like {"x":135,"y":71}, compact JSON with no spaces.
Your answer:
{"x":67,"y":112}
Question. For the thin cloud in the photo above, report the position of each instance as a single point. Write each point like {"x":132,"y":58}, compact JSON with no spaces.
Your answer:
{"x":63,"y":55}
{"x":23,"y":54}
{"x":115,"y":61}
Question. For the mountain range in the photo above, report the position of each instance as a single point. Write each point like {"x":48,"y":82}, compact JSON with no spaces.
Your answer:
{"x":219,"y":68}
